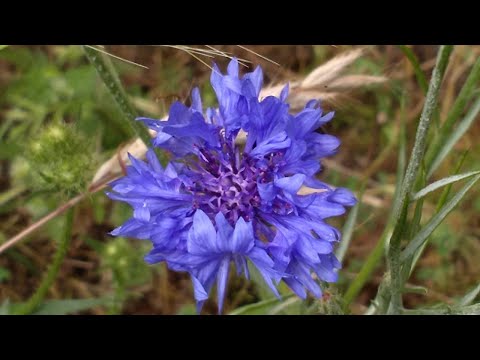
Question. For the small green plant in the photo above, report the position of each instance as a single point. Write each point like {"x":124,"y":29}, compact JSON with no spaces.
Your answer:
{"x":61,"y":159}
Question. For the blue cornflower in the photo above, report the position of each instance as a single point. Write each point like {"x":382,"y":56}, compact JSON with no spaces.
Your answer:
{"x":219,"y":202}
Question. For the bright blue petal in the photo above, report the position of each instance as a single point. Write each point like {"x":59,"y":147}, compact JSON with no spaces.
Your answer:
{"x":291,"y":184}
{"x":224,"y":229}
{"x":222,"y":282}
{"x":142,"y":213}
{"x":275,"y":143}
{"x":232,"y":68}
{"x":242,"y":239}
{"x":284,"y":93}
{"x":343,"y":196}
{"x":256,"y":78}
{"x":267,"y":191}
{"x":196,"y":100}
{"x":202,"y":235}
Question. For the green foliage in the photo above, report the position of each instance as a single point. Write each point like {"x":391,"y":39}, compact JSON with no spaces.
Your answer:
{"x":60,"y":158}
{"x":64,"y":307}
{"x":57,"y":115}
{"x":259,"y":308}
{"x":440,"y":183}
{"x":421,"y":79}
{"x":125,"y":261}
{"x":4,"y":274}
{"x":425,"y":232}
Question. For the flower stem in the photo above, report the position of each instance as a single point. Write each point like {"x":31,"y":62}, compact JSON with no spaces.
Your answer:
{"x":400,"y":206}
{"x":107,"y":73}
{"x":418,"y":150}
{"x":32,"y":304}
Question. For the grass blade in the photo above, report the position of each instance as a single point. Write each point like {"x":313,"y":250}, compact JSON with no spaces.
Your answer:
{"x":419,"y":74}
{"x":410,"y":264}
{"x":469,"y":297}
{"x":348,"y":229}
{"x":443,"y":182}
{"x":261,"y":307}
{"x":419,"y":146}
{"x":450,"y":141}
{"x":400,"y":206}
{"x":463,"y":97}
{"x":423,"y":234}
{"x":107,"y":73}
{"x":64,"y":307}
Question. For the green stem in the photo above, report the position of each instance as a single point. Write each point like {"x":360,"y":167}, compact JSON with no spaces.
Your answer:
{"x":394,"y":265}
{"x":349,"y":226}
{"x":420,"y":144}
{"x":419,"y":74}
{"x":446,"y":191}
{"x":405,"y":186}
{"x":109,"y":76}
{"x":32,"y":304}
{"x":400,"y":207}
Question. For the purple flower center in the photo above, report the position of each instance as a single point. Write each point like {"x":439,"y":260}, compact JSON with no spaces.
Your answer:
{"x":225,"y":182}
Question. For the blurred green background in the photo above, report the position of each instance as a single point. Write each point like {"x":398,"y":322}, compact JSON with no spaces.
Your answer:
{"x":58,"y":124}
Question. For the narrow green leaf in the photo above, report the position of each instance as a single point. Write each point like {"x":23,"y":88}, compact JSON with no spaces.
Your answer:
{"x":440,"y":183}
{"x":419,"y":74}
{"x":400,"y":206}
{"x":410,"y":264}
{"x":414,"y":289}
{"x":63,"y":307}
{"x":261,"y":307}
{"x":419,"y":146}
{"x":463,"y":97}
{"x":109,"y":76}
{"x":432,"y":224}
{"x":454,"y":136}
{"x":407,"y":267}
{"x":348,"y":229}
{"x":469,"y":297}
{"x":284,"y":305}
{"x":446,"y":191}
{"x":394,"y":265}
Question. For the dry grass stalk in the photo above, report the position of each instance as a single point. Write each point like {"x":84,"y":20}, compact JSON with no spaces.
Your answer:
{"x":301,"y":91}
